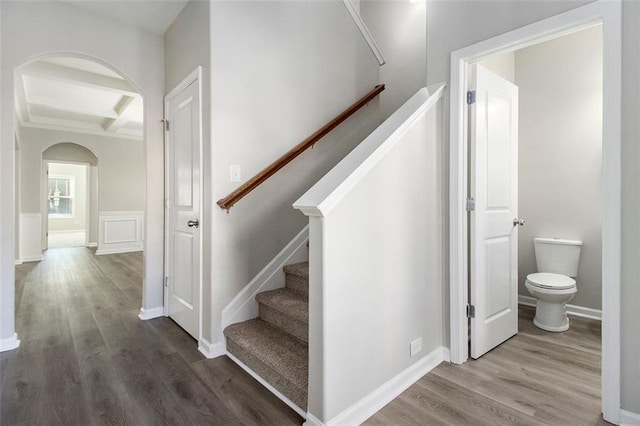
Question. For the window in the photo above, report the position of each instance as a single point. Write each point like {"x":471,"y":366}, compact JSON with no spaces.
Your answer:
{"x":61,"y":196}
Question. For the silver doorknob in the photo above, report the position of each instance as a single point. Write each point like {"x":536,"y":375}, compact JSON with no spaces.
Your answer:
{"x":193,"y":223}
{"x":517,"y":222}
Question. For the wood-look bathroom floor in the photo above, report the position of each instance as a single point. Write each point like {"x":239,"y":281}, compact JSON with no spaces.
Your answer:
{"x":86,"y":359}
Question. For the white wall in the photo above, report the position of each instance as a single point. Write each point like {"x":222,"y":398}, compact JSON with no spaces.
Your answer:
{"x":281,"y":70}
{"x":560,"y":154}
{"x":79,"y":209}
{"x":375,"y":262}
{"x":399,"y":29}
{"x":454,"y":25}
{"x":503,"y":64}
{"x":138,"y":55}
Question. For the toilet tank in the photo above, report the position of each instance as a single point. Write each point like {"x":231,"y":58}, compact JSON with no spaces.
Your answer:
{"x":557,"y":255}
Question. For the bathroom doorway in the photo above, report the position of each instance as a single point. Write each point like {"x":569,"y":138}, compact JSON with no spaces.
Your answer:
{"x":607,"y":16}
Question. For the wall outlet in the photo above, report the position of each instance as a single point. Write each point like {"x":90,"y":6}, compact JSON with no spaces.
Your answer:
{"x":415,"y":346}
{"x":235,"y":174}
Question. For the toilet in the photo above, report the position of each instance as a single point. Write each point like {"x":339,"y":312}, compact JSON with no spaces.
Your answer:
{"x":553,"y":285}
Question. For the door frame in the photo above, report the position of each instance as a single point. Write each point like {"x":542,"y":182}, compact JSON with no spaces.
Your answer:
{"x":609,"y":15}
{"x":44,"y":199}
{"x":195,"y":77}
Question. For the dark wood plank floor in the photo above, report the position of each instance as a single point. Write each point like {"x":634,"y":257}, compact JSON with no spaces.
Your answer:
{"x":535,"y":378}
{"x":86,"y":359}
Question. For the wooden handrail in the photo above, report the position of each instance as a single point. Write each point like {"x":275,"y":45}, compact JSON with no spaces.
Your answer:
{"x":231,"y":199}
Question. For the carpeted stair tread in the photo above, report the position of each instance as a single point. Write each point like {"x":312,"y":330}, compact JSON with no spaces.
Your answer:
{"x":273,"y":354}
{"x":286,"y":301}
{"x":299,"y":269}
{"x":297,"y":277}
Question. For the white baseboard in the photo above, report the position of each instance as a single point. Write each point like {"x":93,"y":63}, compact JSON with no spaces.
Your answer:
{"x":244,"y":306}
{"x":32,"y":259}
{"x":267,"y":385}
{"x":116,"y":251}
{"x":211,"y":350}
{"x":18,"y":262}
{"x":579,"y":311}
{"x":629,"y":418}
{"x":92,"y":244}
{"x":151,"y":313}
{"x":10,"y":343}
{"x":372,"y":403}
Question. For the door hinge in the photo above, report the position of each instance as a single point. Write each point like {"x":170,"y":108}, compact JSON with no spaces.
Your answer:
{"x":471,"y":97}
{"x":166,"y":281}
{"x":471,"y":204}
{"x":166,"y":124}
{"x":471,"y":311}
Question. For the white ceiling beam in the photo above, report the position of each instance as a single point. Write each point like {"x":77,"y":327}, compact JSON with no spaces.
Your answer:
{"x":112,"y":125}
{"x":63,"y":128}
{"x":79,"y":77}
{"x":66,"y":105}
{"x":21,"y":101}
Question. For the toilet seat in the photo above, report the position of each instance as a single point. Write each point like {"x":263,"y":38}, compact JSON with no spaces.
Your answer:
{"x":551,"y":281}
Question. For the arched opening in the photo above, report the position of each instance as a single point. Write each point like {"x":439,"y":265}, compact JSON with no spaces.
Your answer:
{"x":70,"y":197}
{"x":77,"y":111}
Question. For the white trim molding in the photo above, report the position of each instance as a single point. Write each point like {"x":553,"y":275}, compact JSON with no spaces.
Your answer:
{"x":269,"y":387}
{"x":629,"y":418}
{"x":120,"y":232}
{"x":244,"y":306}
{"x":10,"y":343}
{"x":372,"y":403}
{"x":30,"y":234}
{"x":151,"y":313}
{"x":211,"y":350}
{"x":366,"y":34}
{"x":607,"y":13}
{"x":579,"y":311}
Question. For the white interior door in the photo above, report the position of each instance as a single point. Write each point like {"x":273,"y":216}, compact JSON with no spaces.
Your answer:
{"x":183,"y":204}
{"x":493,"y":145}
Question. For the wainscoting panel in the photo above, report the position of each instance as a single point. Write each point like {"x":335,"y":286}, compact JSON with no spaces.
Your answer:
{"x":30,"y":237}
{"x":120,"y":232}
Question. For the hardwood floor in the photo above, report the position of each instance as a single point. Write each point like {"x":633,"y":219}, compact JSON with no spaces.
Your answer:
{"x":86,"y":359}
{"x":535,"y":378}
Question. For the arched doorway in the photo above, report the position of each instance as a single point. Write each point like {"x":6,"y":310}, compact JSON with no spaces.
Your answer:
{"x":76,"y":110}
{"x":70,"y":197}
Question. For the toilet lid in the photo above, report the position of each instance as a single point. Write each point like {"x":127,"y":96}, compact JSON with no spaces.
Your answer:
{"x":549,"y":280}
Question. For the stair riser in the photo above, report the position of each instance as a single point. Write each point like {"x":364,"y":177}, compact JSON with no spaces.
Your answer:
{"x":290,"y":325}
{"x":297,"y":283}
{"x":295,"y":394}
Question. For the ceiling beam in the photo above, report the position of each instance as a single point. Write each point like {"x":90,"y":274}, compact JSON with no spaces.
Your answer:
{"x":71,"y":106}
{"x":57,"y":72}
{"x":112,"y":125}
{"x":98,"y":132}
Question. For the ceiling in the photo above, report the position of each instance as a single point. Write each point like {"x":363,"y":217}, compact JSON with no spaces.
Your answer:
{"x":77,"y":95}
{"x":152,"y":15}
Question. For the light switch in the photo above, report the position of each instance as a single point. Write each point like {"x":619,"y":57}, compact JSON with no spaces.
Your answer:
{"x":235,"y":174}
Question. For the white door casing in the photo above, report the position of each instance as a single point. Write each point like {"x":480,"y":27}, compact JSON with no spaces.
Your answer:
{"x":183,"y":203}
{"x":493,"y":145}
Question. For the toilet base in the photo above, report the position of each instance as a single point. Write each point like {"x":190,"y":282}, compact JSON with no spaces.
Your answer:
{"x":551,"y":316}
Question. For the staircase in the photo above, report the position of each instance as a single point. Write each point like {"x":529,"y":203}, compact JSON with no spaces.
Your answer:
{"x":275,"y":345}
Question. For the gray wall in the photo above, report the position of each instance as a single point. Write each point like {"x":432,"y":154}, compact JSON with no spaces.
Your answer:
{"x":187,"y":46}
{"x":453,"y":25}
{"x":399,"y":29}
{"x":281,"y":71}
{"x":121,"y":162}
{"x":560,"y":153}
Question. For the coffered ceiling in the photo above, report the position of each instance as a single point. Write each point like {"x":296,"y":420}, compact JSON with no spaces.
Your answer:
{"x":77,"y":95}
